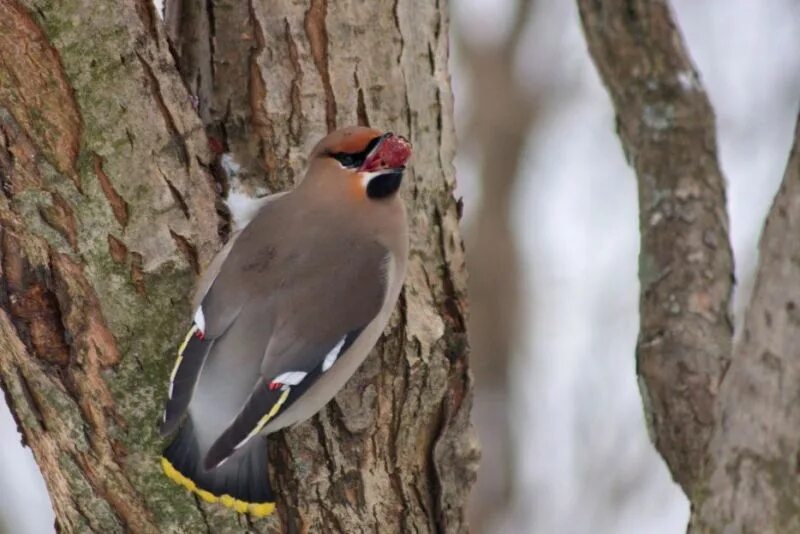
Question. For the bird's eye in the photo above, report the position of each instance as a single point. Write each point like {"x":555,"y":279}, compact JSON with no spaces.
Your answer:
{"x":356,"y":159}
{"x":349,"y":160}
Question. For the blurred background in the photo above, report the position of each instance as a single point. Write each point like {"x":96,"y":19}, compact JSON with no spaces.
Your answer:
{"x":551,"y":231}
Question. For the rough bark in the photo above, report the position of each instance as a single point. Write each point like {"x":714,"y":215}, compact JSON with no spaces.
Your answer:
{"x":753,"y":484}
{"x":666,"y":126}
{"x":738,"y":463}
{"x":109,"y":209}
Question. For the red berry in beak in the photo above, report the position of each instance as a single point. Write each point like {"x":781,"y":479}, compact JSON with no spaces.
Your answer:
{"x":392,"y":153}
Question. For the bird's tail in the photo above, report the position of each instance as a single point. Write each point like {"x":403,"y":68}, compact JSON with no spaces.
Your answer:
{"x":240,"y":483}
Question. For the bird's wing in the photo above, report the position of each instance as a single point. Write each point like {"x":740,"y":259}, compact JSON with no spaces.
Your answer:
{"x":211,"y":318}
{"x":315,"y":314}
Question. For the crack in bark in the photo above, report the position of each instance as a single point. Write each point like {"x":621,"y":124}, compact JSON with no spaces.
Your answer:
{"x":297,"y":77}
{"x":439,"y":125}
{"x":169,"y":121}
{"x":117,"y":249}
{"x":146,"y":10}
{"x":201,"y":508}
{"x":329,"y":455}
{"x":175,"y":193}
{"x":361,"y":106}
{"x":60,"y":217}
{"x":317,"y":33}
{"x":137,"y":274}
{"x":407,"y":102}
{"x":77,"y":507}
{"x":6,"y":163}
{"x":451,"y":307}
{"x":212,"y":35}
{"x":32,"y":306}
{"x":118,"y":205}
{"x":256,"y":96}
{"x":187,"y":249}
{"x":396,"y":16}
{"x":80,"y":312}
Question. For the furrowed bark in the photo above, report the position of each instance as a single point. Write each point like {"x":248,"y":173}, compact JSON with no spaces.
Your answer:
{"x":394,"y":451}
{"x":101,"y":165}
{"x":753,"y":485}
{"x":109,"y":209}
{"x":666,"y":125}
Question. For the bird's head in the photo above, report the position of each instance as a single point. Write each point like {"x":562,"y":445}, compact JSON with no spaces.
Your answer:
{"x":365,"y":161}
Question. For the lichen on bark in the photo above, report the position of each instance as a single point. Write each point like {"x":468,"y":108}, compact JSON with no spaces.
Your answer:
{"x":394,"y":451}
{"x":724,"y":410}
{"x":110,"y":206}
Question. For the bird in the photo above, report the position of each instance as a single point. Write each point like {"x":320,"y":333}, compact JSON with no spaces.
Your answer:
{"x":284,"y":315}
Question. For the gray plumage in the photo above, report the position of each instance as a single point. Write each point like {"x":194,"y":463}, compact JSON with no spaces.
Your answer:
{"x":303,"y":292}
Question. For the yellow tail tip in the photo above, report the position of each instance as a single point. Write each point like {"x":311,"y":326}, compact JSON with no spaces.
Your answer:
{"x":255,"y":509}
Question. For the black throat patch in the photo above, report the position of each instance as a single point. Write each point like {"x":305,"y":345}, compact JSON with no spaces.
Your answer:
{"x":384,"y":185}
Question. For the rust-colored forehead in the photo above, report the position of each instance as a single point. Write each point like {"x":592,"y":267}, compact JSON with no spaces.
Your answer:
{"x":349,"y":140}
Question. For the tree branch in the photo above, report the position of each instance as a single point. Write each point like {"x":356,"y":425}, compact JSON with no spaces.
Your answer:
{"x":753,"y":486}
{"x":666,"y":125}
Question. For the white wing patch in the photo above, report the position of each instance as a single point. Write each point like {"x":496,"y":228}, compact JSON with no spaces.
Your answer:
{"x":200,"y":319}
{"x":331,"y":357}
{"x":284,"y":381}
{"x":292,"y":378}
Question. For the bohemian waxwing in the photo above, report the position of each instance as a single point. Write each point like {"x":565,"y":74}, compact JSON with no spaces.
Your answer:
{"x":285,"y":314}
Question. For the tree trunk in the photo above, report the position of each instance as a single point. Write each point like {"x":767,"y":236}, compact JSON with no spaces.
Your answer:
{"x":724,"y":414}
{"x":110,"y":207}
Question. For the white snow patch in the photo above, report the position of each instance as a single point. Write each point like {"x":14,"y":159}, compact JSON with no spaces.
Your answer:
{"x":688,"y":80}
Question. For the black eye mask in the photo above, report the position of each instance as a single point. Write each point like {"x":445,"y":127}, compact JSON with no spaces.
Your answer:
{"x":356,"y":159}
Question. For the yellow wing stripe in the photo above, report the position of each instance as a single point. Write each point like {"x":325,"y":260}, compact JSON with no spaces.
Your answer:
{"x":272,"y":412}
{"x":185,"y":342}
{"x":256,"y":509}
{"x":264,"y":420}
{"x":178,"y":361}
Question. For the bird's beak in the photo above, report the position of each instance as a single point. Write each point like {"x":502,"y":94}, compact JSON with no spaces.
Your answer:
{"x":391,"y":152}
